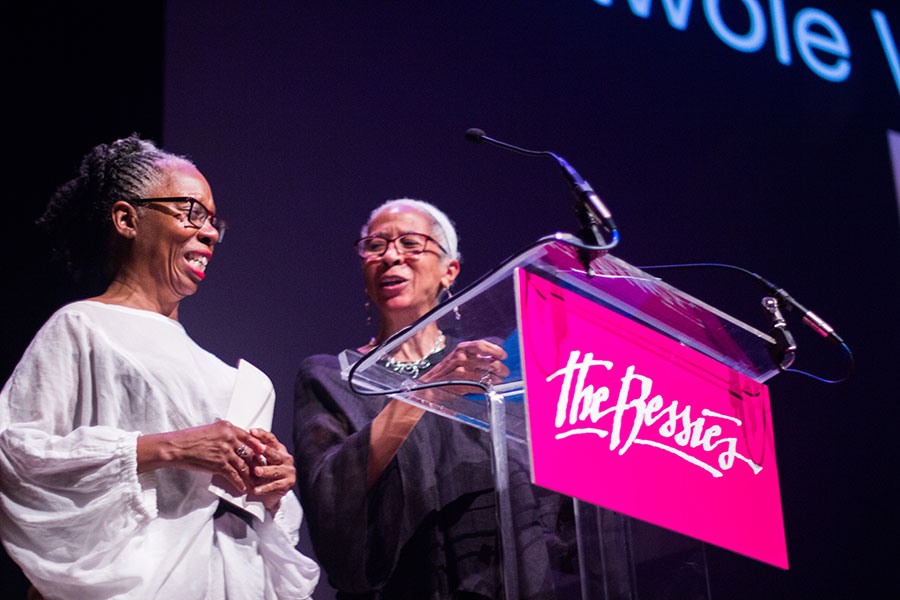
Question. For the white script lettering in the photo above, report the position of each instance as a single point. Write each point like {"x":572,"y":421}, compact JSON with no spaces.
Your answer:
{"x":580,"y":403}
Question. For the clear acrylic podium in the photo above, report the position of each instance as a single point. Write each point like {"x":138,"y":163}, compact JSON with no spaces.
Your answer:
{"x":616,"y":557}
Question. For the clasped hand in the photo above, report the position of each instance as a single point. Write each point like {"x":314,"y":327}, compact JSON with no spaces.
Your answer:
{"x":249,"y":461}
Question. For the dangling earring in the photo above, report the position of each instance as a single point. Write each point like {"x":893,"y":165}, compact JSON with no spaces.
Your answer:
{"x":450,"y":297}
{"x":368,"y":306}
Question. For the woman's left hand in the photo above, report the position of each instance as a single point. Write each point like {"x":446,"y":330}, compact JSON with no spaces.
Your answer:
{"x":274,"y":474}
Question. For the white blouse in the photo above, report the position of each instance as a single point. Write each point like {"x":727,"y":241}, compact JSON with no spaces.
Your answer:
{"x":75,"y":514}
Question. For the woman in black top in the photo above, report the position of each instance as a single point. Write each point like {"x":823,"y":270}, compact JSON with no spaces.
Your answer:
{"x":400,"y":502}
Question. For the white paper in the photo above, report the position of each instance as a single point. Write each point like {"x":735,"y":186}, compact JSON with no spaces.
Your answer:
{"x":252,"y":405}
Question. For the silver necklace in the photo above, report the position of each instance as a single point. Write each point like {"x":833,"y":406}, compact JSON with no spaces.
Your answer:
{"x":413,"y":367}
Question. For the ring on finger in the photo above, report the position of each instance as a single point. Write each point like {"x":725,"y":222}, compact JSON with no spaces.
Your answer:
{"x":242,"y":451}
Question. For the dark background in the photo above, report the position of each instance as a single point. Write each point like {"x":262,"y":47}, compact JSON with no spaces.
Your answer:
{"x":304,"y":116}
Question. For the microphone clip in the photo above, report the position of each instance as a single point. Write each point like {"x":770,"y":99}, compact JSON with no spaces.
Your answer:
{"x":783,"y":351}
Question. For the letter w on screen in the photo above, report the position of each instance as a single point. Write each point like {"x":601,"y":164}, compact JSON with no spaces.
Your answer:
{"x":626,"y":418}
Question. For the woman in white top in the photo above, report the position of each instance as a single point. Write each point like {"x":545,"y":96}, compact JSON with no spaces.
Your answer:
{"x":110,"y":425}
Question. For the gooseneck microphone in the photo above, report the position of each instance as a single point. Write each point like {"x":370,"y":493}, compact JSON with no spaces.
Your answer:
{"x":583,"y":191}
{"x":780,"y":298}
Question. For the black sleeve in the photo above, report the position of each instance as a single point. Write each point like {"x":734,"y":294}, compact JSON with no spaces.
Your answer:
{"x":428,"y":521}
{"x":357,"y":534}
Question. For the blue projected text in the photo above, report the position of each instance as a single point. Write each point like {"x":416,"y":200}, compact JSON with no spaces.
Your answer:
{"x":818,"y":38}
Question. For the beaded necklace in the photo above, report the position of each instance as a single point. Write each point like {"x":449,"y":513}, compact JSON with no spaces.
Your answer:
{"x":414,"y":367}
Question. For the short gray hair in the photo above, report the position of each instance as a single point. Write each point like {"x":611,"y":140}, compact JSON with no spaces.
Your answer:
{"x":441,"y":226}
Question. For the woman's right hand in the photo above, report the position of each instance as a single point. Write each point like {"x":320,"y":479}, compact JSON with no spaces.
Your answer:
{"x":219,"y":448}
{"x":477,"y":361}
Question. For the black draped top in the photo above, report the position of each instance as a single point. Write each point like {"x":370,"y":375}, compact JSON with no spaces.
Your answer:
{"x":427,"y":527}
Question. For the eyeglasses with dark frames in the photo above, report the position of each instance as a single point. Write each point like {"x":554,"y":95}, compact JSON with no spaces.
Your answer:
{"x":197,"y":215}
{"x":374,"y":246}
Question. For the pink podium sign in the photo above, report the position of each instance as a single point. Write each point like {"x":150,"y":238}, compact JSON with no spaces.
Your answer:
{"x":626,"y":418}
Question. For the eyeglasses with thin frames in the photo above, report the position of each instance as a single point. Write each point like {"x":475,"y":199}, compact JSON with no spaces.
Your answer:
{"x":374,"y":246}
{"x":197,"y":215}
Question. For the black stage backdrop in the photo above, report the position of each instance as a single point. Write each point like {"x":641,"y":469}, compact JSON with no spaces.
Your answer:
{"x":75,"y":75}
{"x":715,"y":130}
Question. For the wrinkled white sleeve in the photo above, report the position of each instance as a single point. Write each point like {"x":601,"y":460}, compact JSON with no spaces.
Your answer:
{"x":290,"y":573}
{"x":70,"y":495}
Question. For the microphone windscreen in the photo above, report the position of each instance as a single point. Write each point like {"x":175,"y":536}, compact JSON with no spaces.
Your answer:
{"x":475,"y":135}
